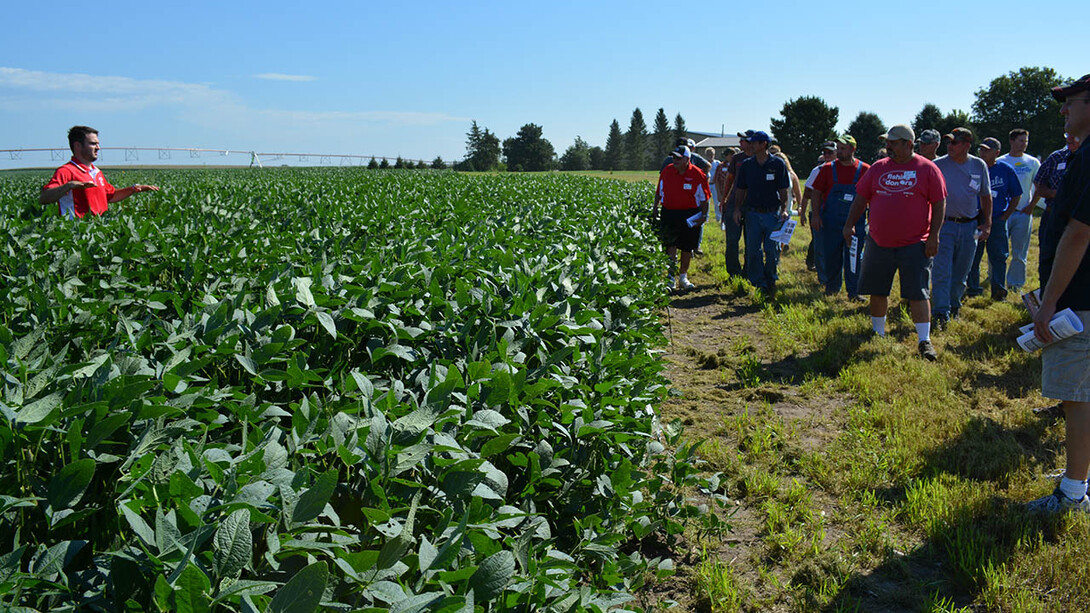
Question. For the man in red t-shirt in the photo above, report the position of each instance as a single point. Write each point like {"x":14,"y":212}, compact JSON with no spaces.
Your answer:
{"x":683,"y":191}
{"x":79,"y":186}
{"x":906,"y":196}
{"x":833,"y":197}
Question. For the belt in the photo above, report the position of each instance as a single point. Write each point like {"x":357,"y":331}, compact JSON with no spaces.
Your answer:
{"x":961,"y":219}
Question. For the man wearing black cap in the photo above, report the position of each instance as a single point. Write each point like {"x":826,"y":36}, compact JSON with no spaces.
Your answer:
{"x":762,"y":193}
{"x":1065,"y":273}
{"x":683,"y":191}
{"x":1006,"y":194}
{"x":968,"y":219}
{"x":730,"y":202}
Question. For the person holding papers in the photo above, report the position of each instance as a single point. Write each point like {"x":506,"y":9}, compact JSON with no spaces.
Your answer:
{"x":683,"y":192}
{"x":834,"y":193}
{"x":761,"y":191}
{"x":1065,"y":273}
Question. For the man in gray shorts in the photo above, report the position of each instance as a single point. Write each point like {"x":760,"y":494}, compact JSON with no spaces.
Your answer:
{"x":906,"y":196}
{"x":1065,"y":273}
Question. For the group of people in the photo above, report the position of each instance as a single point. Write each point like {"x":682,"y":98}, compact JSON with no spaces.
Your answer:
{"x":928,"y":220}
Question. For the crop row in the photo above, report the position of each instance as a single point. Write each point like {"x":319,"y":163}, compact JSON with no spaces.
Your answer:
{"x":287,"y":389}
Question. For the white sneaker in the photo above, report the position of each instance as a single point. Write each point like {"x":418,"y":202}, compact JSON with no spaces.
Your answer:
{"x":687,"y":284}
{"x":1057,"y":502}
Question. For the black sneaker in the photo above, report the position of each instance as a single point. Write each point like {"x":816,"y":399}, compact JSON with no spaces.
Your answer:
{"x":940,"y":320}
{"x":927,"y":351}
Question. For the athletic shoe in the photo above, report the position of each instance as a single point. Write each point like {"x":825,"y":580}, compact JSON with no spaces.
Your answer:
{"x":856,"y":298}
{"x":1053,"y":411}
{"x":999,"y":294}
{"x":1057,"y":502}
{"x":687,"y":284}
{"x":928,"y":351}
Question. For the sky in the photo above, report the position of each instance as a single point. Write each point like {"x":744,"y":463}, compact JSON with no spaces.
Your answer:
{"x":390,"y":79}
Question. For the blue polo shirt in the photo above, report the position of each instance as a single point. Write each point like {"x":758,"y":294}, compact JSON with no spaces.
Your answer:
{"x":1072,"y":201}
{"x":762,"y":183}
{"x":1005,"y":186}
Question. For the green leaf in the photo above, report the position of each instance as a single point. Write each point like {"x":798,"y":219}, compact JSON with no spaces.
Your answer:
{"x":303,"y":593}
{"x":244,"y":587}
{"x":191,"y":591}
{"x":67,"y":486}
{"x":326,"y":320}
{"x":312,"y":502}
{"x":492,"y":576}
{"x":54,"y":559}
{"x":233,"y":544}
{"x":246,"y":363}
{"x":302,"y":291}
{"x":39,"y":410}
{"x":9,"y":563}
{"x":138,"y":525}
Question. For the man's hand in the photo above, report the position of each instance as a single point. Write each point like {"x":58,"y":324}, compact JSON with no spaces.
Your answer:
{"x":136,"y":189}
{"x":1007,"y":215}
{"x":931,"y":247}
{"x":1041,"y":320}
{"x":849,"y":232}
{"x":71,"y":185}
{"x":817,"y":223}
{"x":737,"y":216}
{"x":985,"y":229}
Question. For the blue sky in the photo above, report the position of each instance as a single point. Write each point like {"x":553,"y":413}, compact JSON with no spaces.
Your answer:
{"x":389,"y":79}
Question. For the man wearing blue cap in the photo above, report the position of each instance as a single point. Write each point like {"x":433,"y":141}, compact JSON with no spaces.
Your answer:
{"x":762,"y":194}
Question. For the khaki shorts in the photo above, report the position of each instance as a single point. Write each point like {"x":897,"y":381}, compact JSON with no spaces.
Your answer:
{"x":1065,"y":366}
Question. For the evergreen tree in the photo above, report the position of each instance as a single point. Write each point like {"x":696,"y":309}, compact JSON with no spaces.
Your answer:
{"x":635,"y":142}
{"x":399,"y":163}
{"x":662,"y":138}
{"x":438,"y":163}
{"x":867,"y":129}
{"x":680,"y":131}
{"x":805,"y":123}
{"x":614,"y":152}
{"x":384,"y":164}
{"x":482,"y":149}
{"x":372,"y":165}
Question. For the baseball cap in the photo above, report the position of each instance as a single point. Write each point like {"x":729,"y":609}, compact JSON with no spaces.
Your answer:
{"x":681,"y":152}
{"x":690,"y":143}
{"x":991,"y":143}
{"x":745,"y":135}
{"x":1081,"y":85}
{"x":759,"y":136}
{"x":828,"y":146}
{"x":964,"y":135}
{"x":930,"y":136}
{"x":900,"y":132}
{"x":846,"y":139}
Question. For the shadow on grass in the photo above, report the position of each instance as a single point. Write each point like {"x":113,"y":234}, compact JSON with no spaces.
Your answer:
{"x":839,"y":351}
{"x":950,"y":566}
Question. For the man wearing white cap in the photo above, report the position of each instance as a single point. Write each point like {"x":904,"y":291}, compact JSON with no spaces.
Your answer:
{"x":683,"y":192}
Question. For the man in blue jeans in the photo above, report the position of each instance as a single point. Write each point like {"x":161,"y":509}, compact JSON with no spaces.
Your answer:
{"x":762,"y":193}
{"x":968,"y":218}
{"x":1006,"y":193}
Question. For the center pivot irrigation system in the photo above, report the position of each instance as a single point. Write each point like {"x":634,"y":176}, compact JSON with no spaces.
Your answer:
{"x":132,"y":154}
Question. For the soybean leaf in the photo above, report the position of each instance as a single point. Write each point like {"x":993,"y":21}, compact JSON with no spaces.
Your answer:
{"x":303,"y":593}
{"x":191,"y":591}
{"x":244,"y":587}
{"x":9,"y":563}
{"x":233,"y":544}
{"x":54,"y":559}
{"x":39,"y":410}
{"x":302,"y":291}
{"x":67,"y":486}
{"x":326,"y":320}
{"x":138,"y":525}
{"x":493,"y":575}
{"x":313,"y":501}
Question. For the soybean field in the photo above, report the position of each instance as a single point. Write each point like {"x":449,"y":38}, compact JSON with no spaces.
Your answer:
{"x":331,"y":389}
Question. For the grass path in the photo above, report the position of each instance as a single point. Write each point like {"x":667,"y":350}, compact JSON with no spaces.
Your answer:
{"x":864,"y":478}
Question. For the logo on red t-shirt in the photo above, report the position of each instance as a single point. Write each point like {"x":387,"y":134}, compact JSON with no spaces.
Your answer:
{"x":898,"y":180}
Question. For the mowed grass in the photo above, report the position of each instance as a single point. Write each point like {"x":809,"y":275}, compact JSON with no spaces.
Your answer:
{"x":898,"y":485}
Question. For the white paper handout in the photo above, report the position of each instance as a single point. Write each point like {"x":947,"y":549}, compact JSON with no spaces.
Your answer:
{"x":1062,"y":325}
{"x":692,"y":221}
{"x":783,"y":235}
{"x":852,"y":252}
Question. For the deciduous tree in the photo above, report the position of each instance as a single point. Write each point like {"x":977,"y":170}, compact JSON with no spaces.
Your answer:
{"x":867,"y":128}
{"x":577,"y":156}
{"x":528,"y":151}
{"x":928,"y":118}
{"x":1022,"y":100}
{"x":804,"y":124}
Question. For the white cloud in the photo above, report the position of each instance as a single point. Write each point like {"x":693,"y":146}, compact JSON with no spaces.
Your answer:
{"x":276,"y":76}
{"x":23,"y":90}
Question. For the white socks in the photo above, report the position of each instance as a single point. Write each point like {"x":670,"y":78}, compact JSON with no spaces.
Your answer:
{"x":879,"y":325}
{"x":924,"y":331}
{"x":684,"y":278}
{"x":1073,"y":489}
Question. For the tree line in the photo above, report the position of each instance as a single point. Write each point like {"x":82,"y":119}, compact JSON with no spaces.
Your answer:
{"x":1018,"y":99}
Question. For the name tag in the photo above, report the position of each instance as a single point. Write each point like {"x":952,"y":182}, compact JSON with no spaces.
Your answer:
{"x":770,"y":177}
{"x":1061,"y":166}
{"x":849,"y":197}
{"x":995,"y":194}
{"x":974,"y":183}
{"x":688,"y":186}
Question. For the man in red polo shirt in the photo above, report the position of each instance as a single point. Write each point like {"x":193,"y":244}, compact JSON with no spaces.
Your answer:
{"x":79,"y":186}
{"x":683,"y":191}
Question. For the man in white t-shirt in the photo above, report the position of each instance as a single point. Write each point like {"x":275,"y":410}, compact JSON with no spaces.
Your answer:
{"x":1020,"y":223}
